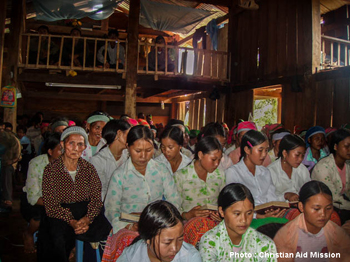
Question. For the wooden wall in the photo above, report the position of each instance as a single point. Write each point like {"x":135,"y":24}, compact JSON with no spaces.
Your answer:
{"x":79,"y":110}
{"x":280,"y":33}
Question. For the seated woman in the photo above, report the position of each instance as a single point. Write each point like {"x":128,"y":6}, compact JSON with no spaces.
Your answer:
{"x":72,"y":199}
{"x":287,"y":173}
{"x":242,"y":129}
{"x":114,"y":154}
{"x":32,"y":206}
{"x":334,"y":171}
{"x":315,"y":142}
{"x":276,"y":138}
{"x":217,"y":130}
{"x":171,"y":143}
{"x":198,"y":184}
{"x":250,"y":172}
{"x":94,"y":126}
{"x":312,"y":232}
{"x":233,"y":239}
{"x":135,"y":184}
{"x":161,"y":237}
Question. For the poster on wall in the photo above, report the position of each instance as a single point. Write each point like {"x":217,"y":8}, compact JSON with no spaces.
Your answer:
{"x":8,"y":96}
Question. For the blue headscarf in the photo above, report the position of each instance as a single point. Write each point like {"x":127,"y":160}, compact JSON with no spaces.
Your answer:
{"x":313,"y":131}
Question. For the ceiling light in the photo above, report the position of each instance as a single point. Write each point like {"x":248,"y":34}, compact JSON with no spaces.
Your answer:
{"x":83,"y":86}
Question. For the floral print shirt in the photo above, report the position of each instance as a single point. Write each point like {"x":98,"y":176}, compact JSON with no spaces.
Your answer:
{"x":130,"y":192}
{"x":34,"y":180}
{"x":216,"y":245}
{"x":194,"y":191}
{"x":184,"y":162}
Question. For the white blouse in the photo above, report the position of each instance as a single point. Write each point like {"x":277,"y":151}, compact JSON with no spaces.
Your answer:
{"x":184,"y":162}
{"x":283,"y":183}
{"x":260,"y":184}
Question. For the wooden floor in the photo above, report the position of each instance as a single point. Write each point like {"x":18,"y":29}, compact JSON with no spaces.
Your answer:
{"x":12,"y":226}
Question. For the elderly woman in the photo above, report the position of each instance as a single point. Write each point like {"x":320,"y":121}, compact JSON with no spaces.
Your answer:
{"x":114,"y":155}
{"x":94,"y":126}
{"x":72,"y":200}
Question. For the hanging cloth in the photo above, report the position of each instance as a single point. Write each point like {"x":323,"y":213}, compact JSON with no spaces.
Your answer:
{"x":166,"y":17}
{"x":54,"y":10}
{"x":212,"y":29}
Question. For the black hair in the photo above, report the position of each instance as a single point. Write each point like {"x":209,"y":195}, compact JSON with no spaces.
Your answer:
{"x":139,"y":132}
{"x":206,"y":145}
{"x":141,"y":115}
{"x":43,"y":27}
{"x":36,"y":119}
{"x":51,"y":141}
{"x":175,"y":133}
{"x":155,"y":217}
{"x":250,"y":139}
{"x":8,"y":124}
{"x":110,"y":130}
{"x":175,"y":122}
{"x":233,"y":193}
{"x":160,"y":38}
{"x":337,"y":137}
{"x":23,"y":128}
{"x":290,"y":142}
{"x":113,"y":31}
{"x":75,"y":29}
{"x":313,"y":188}
{"x":212,"y":129}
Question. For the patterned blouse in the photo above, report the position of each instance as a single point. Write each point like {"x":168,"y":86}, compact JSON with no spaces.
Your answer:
{"x":34,"y":180}
{"x":185,"y":160}
{"x":59,"y":188}
{"x":216,"y":245}
{"x":194,"y":191}
{"x":130,"y":192}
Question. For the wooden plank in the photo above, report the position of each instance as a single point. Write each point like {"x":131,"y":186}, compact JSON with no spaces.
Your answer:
{"x":195,"y":121}
{"x":272,"y":39}
{"x":262,"y":39}
{"x":292,"y":38}
{"x":316,"y":35}
{"x":132,"y":54}
{"x":201,"y":113}
{"x":282,"y":14}
{"x":324,"y":100}
{"x":190,"y":113}
{"x":341,"y":108}
{"x":3,"y":5}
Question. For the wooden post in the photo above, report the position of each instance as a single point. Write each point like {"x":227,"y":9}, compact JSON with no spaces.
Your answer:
{"x":104,"y":24}
{"x":316,"y":36}
{"x":3,"y":5}
{"x":16,"y":28}
{"x":132,"y":54}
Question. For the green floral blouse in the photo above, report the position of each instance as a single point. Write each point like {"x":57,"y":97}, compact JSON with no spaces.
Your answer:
{"x":194,"y":191}
{"x":216,"y":245}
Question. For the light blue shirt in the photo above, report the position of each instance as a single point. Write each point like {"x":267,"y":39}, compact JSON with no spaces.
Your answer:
{"x":138,"y":253}
{"x":130,"y":192}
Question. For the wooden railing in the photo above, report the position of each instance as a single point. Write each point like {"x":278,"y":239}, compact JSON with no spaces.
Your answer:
{"x":59,"y":52}
{"x":334,"y":52}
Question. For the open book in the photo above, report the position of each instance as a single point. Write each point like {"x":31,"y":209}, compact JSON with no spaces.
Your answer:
{"x":132,"y":218}
{"x":209,"y":207}
{"x":260,"y":209}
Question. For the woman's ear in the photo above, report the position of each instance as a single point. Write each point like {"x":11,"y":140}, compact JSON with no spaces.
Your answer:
{"x":87,"y":127}
{"x":221,"y":212}
{"x":247,"y":150}
{"x":200,"y":155}
{"x":301,"y":207}
{"x":49,"y":152}
{"x":335,"y":147}
{"x":284,"y":153}
{"x":62,"y":144}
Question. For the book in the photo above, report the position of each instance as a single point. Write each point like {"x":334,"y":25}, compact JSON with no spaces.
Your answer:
{"x":132,"y":218}
{"x":209,"y":207}
{"x":260,"y":209}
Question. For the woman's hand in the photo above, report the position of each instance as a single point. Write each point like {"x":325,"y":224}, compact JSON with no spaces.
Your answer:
{"x":291,"y":196}
{"x":133,"y":227}
{"x":272,"y":213}
{"x":214,"y":215}
{"x":195,"y":212}
{"x":81,"y":226}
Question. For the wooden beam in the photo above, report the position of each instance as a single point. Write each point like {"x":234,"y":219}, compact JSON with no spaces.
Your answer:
{"x":16,"y":28}
{"x":132,"y":59}
{"x":3,"y":5}
{"x":316,"y":35}
{"x":105,"y":24}
{"x":214,"y":2}
{"x":153,"y":93}
{"x":89,"y":97}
